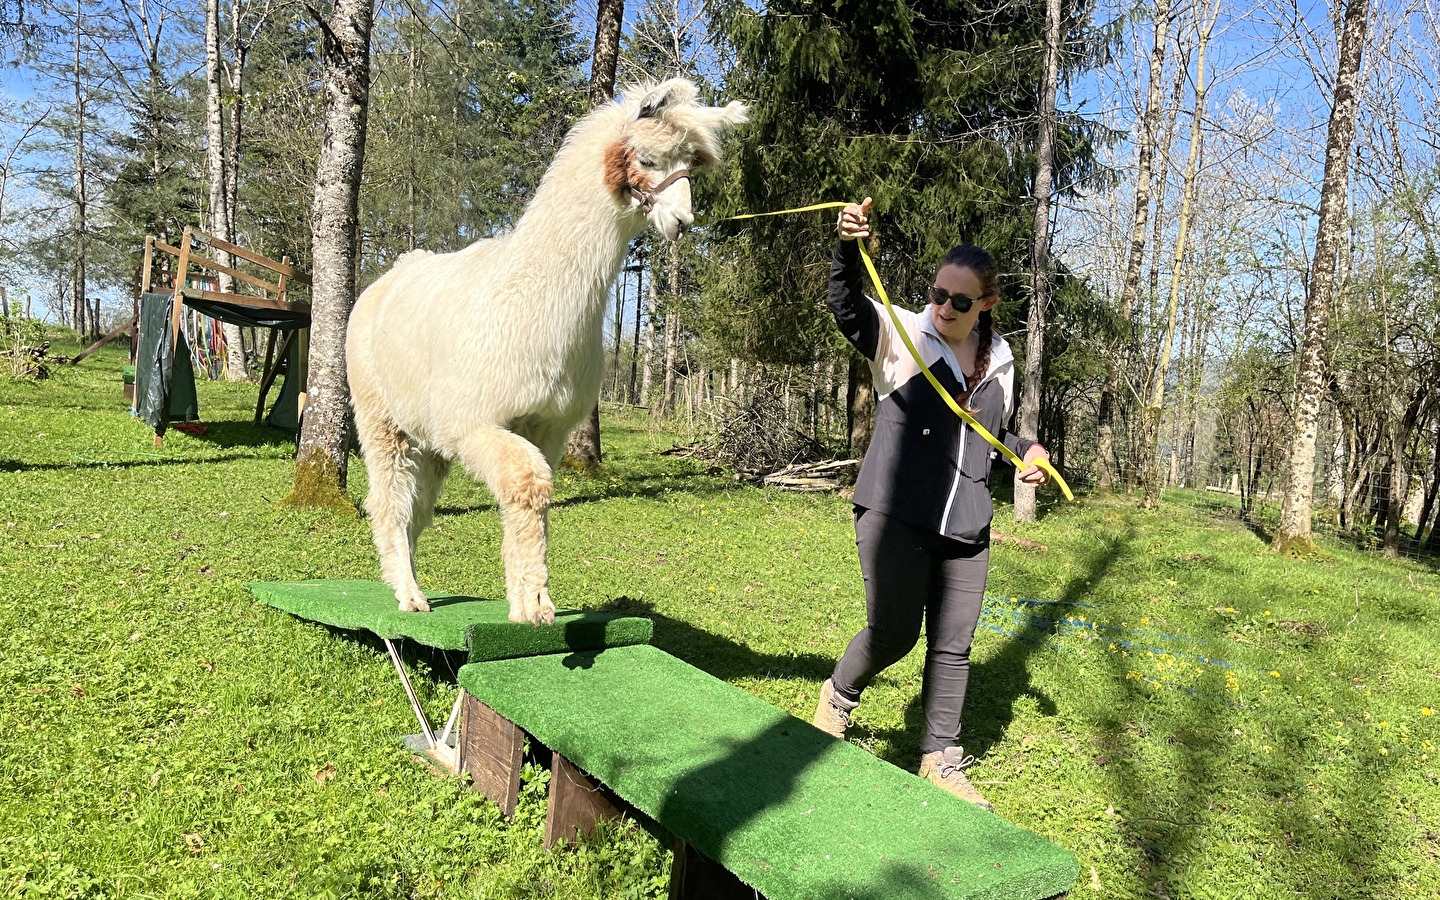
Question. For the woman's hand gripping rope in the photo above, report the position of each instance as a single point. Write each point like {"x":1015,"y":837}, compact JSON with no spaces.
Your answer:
{"x":1036,"y":465}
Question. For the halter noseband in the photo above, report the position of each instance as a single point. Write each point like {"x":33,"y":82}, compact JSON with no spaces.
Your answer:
{"x":647,"y":197}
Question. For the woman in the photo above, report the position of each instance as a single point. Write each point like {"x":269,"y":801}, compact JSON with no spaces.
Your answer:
{"x":922,"y":501}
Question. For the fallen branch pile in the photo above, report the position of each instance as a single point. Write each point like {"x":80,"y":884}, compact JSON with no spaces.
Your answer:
{"x":821,"y":476}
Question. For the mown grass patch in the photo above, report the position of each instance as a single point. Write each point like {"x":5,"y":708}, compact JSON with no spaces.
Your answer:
{"x":1190,"y":714}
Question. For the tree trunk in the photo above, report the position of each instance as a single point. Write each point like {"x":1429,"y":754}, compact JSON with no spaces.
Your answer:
{"x":647,"y":374}
{"x":81,"y":193}
{"x":860,"y":406}
{"x":1106,"y":462}
{"x":1029,"y":425}
{"x":633,"y":389}
{"x":321,"y":467}
{"x":672,"y":330}
{"x":1429,"y":507}
{"x":1155,"y":409}
{"x":219,"y":223}
{"x":583,"y":447}
{"x":1292,"y":535}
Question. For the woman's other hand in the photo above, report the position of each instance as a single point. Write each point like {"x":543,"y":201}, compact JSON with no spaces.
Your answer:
{"x":855,"y":221}
{"x":1033,"y":474}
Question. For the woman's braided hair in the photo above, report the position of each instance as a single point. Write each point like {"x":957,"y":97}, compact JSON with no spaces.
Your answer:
{"x":979,"y":261}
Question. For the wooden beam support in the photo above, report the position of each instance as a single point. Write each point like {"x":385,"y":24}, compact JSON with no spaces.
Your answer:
{"x":208,"y":263}
{"x":271,"y":367}
{"x":694,"y":876}
{"x":250,"y":255}
{"x":490,"y":750}
{"x":577,"y":803}
{"x":246,"y":300}
{"x":114,"y":333}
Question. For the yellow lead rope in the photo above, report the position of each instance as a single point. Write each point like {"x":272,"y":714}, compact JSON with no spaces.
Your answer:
{"x":979,"y":429}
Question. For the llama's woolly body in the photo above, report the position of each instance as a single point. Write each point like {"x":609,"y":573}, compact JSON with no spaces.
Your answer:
{"x":491,"y":354}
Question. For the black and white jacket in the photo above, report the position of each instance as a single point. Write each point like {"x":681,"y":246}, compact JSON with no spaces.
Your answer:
{"x":925,"y":466}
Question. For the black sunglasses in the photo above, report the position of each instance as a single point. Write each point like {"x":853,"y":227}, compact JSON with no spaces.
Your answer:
{"x":958,"y":302}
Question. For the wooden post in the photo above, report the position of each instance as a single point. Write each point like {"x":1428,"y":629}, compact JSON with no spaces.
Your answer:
{"x":577,"y":803}
{"x":694,"y":876}
{"x":267,"y":373}
{"x":490,"y":750}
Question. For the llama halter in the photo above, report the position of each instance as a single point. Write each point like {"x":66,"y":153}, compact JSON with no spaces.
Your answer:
{"x":979,"y":429}
{"x":647,"y":196}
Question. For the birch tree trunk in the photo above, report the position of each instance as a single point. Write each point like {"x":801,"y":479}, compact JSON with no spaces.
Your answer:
{"x":647,"y":374}
{"x":583,"y":448}
{"x":78,"y":295}
{"x":321,"y":466}
{"x":1106,"y":462}
{"x":1292,"y":535}
{"x":672,"y":331}
{"x":215,"y":153}
{"x":1155,"y":408}
{"x":1029,"y":425}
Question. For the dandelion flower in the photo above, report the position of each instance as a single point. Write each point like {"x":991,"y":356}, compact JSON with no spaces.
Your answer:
{"x":1426,"y":711}
{"x":1274,"y":674}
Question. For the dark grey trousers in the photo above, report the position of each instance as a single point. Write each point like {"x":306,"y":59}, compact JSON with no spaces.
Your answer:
{"x":914,"y":574}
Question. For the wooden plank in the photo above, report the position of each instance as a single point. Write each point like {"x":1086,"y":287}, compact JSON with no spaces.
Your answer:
{"x":161,"y":245}
{"x":576,"y":805}
{"x":250,"y":255}
{"x":490,"y":750}
{"x":694,"y":876}
{"x":148,"y":264}
{"x":208,"y":263}
{"x":246,"y":300}
{"x":267,"y":374}
{"x":114,"y":333}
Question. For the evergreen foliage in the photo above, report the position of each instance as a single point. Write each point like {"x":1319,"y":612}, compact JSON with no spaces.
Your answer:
{"x":926,"y":106}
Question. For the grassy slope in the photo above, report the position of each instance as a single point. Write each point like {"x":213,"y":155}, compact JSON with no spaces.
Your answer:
{"x":1237,"y":724}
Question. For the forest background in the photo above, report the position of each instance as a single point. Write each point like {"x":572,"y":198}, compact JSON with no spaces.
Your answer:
{"x":1174,"y":275}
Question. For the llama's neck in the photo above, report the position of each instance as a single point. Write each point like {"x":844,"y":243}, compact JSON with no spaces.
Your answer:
{"x":574,"y":224}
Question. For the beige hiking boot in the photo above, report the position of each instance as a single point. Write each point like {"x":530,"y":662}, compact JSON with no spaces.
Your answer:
{"x":832,"y":713}
{"x":943,"y":769}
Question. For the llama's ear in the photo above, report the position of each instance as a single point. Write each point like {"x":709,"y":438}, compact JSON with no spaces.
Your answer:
{"x":666,"y":95}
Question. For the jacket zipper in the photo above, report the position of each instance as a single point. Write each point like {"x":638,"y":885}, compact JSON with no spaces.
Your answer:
{"x":959,"y":461}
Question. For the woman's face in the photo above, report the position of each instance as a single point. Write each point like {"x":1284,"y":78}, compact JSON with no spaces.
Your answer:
{"x":959,"y":280}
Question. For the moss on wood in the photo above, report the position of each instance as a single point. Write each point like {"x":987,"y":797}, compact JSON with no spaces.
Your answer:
{"x":317,"y":483}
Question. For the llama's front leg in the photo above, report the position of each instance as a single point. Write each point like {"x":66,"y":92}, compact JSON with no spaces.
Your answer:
{"x":519,"y":478}
{"x":390,"y":503}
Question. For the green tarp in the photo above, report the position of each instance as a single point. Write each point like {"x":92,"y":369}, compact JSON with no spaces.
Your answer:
{"x":164,"y":385}
{"x":165,"y":389}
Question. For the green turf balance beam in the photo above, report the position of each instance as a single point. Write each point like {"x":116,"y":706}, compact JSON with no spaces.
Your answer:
{"x":794,"y":813}
{"x":454,"y":622}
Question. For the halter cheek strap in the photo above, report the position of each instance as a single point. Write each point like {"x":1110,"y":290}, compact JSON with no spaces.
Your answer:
{"x":647,"y":197}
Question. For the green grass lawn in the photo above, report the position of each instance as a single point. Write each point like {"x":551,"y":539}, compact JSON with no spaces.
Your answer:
{"x":1190,"y":715}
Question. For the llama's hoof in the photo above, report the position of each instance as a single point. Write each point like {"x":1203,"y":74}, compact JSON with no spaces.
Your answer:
{"x":413,"y":600}
{"x":537,"y":611}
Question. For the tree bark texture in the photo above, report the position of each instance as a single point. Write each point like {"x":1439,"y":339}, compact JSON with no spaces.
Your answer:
{"x":1292,"y":535}
{"x":321,"y":467}
{"x":583,"y":446}
{"x":215,"y":152}
{"x":1106,"y":464}
{"x":78,"y":295}
{"x":860,"y":406}
{"x":1029,"y":425}
{"x":1155,"y":409}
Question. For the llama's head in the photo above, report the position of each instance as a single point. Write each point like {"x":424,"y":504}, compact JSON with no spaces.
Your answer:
{"x":667,"y":134}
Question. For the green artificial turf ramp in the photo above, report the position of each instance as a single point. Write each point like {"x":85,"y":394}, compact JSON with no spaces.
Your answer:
{"x":793,"y":812}
{"x":453,"y":623}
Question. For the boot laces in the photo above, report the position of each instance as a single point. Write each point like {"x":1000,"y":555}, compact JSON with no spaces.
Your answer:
{"x":954,"y":765}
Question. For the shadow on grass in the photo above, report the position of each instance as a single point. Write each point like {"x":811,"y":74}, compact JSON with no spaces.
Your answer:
{"x":720,"y":656}
{"x":245,"y":434}
{"x":643,"y":487}
{"x":15,"y":465}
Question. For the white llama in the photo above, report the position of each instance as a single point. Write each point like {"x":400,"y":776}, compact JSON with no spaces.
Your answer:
{"x":492,"y":354}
